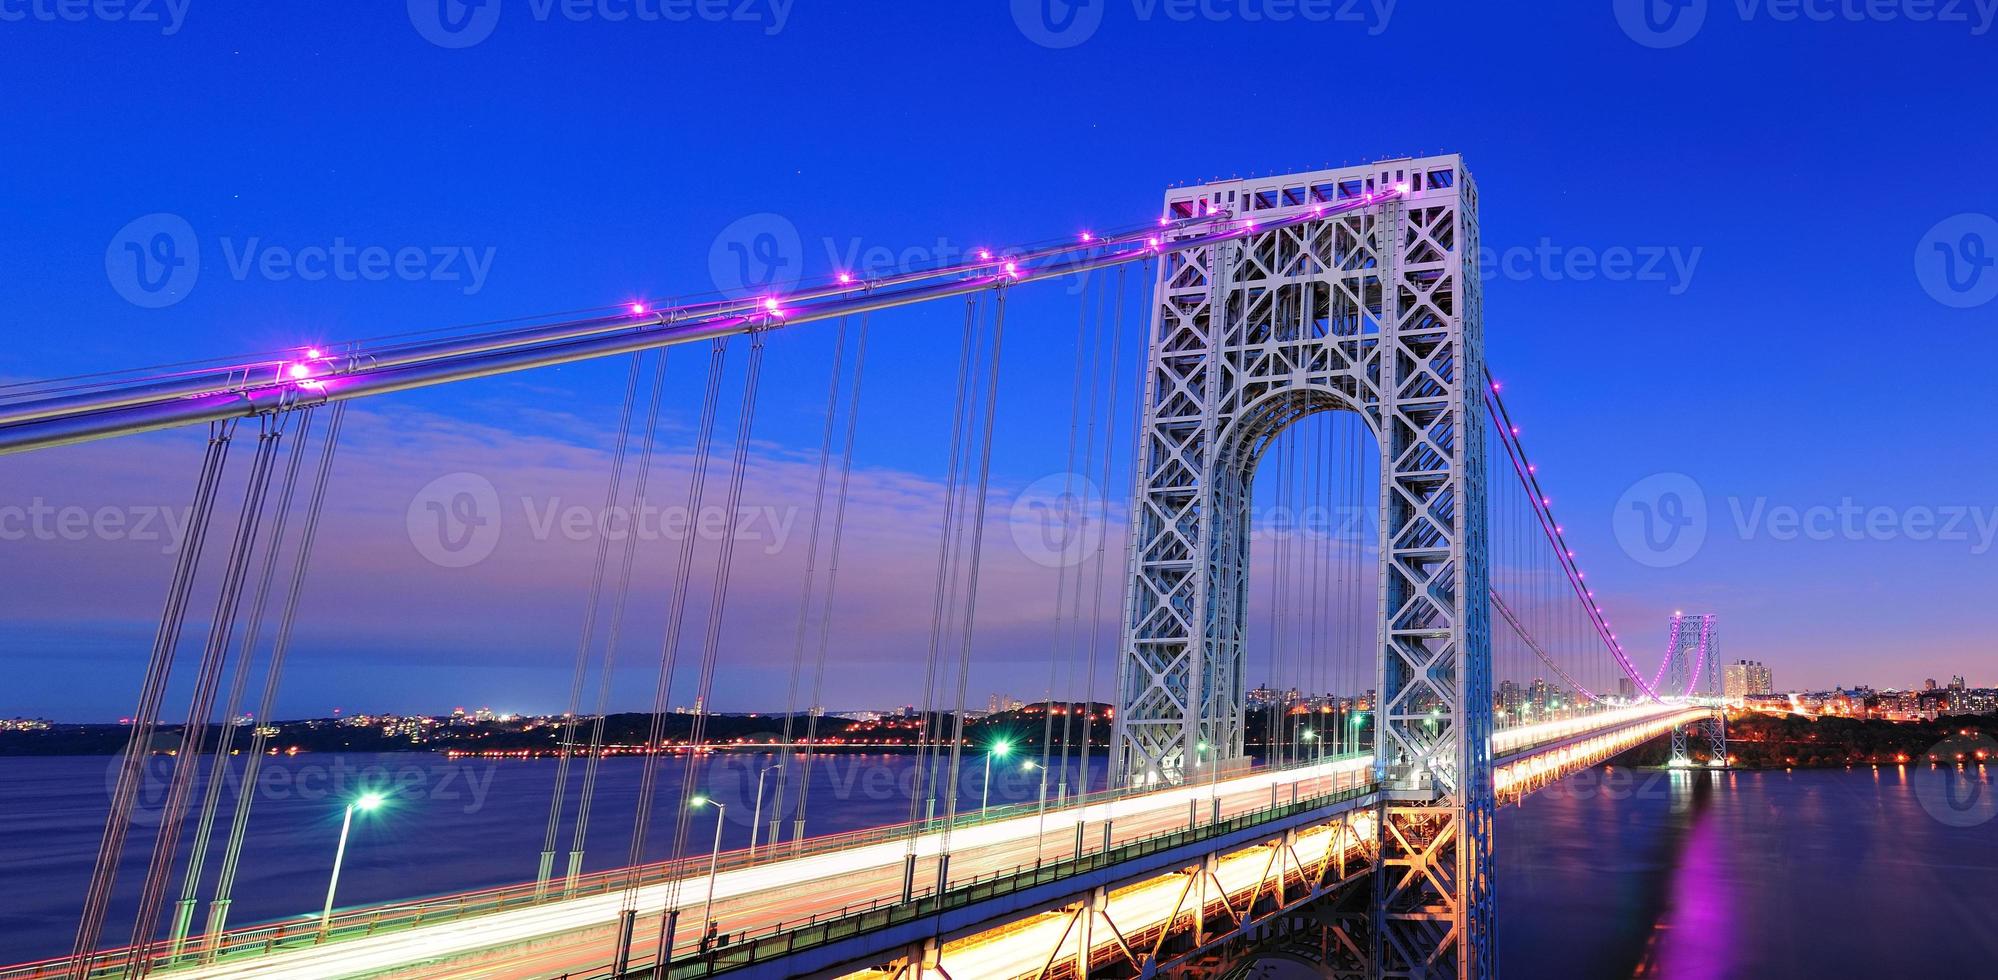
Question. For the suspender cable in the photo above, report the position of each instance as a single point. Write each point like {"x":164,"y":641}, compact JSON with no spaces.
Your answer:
{"x":152,"y":689}
{"x":832,"y":579}
{"x":811,"y":577}
{"x":565,"y":744}
{"x":942,"y":594}
{"x":971,"y":583}
{"x":596,"y":749}
{"x":669,"y":646}
{"x":225,"y":883}
{"x":1077,"y":650}
{"x":1061,"y":569}
{"x":1102,"y":523}
{"x":233,"y":703}
{"x":208,"y":678}
{"x":696,"y":754}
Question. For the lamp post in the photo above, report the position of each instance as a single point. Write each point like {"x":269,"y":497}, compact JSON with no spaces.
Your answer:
{"x":1000,"y":749}
{"x":756,"y":817}
{"x":714,"y":863}
{"x":366,"y":803}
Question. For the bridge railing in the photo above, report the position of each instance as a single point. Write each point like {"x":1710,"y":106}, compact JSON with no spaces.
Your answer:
{"x":786,"y":939}
{"x":303,"y":932}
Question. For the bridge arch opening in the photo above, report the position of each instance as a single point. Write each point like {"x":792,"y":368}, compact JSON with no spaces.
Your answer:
{"x":1308,"y":462}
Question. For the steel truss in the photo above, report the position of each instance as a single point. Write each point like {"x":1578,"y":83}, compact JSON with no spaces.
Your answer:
{"x":1374,"y":311}
{"x":1219,"y":916}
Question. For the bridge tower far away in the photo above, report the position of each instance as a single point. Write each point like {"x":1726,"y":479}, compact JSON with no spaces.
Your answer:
{"x":1373,"y":310}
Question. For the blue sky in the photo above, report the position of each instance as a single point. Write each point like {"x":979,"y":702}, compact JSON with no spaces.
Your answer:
{"x":1792,"y":175}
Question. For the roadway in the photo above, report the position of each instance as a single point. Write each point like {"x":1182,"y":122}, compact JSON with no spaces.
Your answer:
{"x":576,"y":936}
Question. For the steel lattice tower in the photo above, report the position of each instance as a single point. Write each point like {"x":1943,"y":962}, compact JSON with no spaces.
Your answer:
{"x":1374,"y":311}
{"x":1692,"y":673}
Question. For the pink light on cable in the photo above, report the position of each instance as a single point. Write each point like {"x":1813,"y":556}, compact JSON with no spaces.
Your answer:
{"x":313,"y":353}
{"x":985,"y":255}
{"x":1087,"y":237}
{"x":299,"y":371}
{"x":637,"y":308}
{"x":770,"y":304}
{"x":845,"y":277}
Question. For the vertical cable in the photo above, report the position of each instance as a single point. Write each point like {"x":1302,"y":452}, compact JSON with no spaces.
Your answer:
{"x":315,"y":501}
{"x":565,"y":745}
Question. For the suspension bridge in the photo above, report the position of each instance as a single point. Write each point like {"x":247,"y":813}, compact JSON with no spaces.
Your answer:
{"x":1313,"y":340}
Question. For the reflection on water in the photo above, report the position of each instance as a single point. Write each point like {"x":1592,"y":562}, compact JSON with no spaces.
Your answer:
{"x":1615,"y":873}
{"x":1764,"y":874}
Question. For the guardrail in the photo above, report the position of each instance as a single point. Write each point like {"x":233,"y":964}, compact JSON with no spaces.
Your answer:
{"x":784,"y":940}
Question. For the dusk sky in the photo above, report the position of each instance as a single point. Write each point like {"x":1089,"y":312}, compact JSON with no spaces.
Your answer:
{"x":1788,"y":339}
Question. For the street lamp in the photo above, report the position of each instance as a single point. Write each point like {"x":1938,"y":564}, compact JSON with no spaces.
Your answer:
{"x":714,"y":863}
{"x":366,"y":803}
{"x":1001,"y":749}
{"x":756,"y":817}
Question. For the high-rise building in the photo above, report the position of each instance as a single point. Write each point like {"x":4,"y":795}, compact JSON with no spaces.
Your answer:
{"x":1956,"y":682}
{"x":1744,"y":678}
{"x":1929,"y":685}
